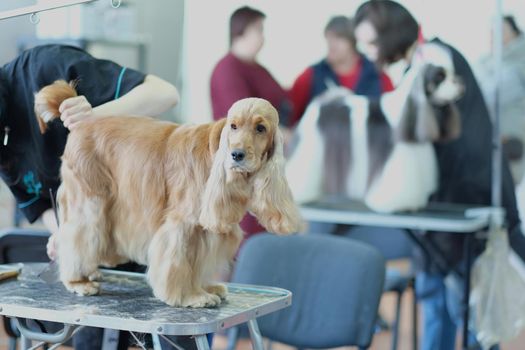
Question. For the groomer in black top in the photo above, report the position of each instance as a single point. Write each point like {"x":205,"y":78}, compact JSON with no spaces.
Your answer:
{"x":29,"y":160}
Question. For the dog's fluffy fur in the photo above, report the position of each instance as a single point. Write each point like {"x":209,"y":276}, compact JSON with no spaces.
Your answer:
{"x":165,"y":195}
{"x":378,"y":151}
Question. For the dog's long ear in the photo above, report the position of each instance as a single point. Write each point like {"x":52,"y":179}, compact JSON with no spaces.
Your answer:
{"x":272,"y":202}
{"x":443,"y":90}
{"x":418,"y":121}
{"x":220,"y":204}
{"x":213,"y":197}
{"x":450,"y":125}
{"x":215,"y":135}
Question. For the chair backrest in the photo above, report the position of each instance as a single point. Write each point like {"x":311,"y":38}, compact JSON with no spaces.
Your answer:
{"x":393,"y":243}
{"x":23,"y":245}
{"x":336,"y":285}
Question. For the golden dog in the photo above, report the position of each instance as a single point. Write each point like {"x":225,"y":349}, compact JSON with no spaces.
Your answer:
{"x":165,"y":195}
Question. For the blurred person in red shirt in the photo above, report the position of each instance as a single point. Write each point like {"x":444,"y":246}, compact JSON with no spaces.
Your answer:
{"x":343,"y":66}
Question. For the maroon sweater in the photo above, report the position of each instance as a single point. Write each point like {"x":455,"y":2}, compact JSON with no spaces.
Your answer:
{"x":232,"y":80}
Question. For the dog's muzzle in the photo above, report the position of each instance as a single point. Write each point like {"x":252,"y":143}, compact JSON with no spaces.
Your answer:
{"x":238,"y":155}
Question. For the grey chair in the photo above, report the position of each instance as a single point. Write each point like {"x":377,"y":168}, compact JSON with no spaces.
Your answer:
{"x":336,"y":285}
{"x":392,"y":244}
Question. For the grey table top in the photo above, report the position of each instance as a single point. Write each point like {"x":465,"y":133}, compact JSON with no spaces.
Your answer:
{"x":126,"y":302}
{"x":436,"y":217}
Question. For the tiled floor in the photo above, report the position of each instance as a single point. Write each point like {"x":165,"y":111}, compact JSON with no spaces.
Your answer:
{"x":381,"y":340}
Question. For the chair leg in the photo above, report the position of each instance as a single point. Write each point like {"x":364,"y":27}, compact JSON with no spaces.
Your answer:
{"x":382,"y":324}
{"x":395,"y":327}
{"x":414,"y":318}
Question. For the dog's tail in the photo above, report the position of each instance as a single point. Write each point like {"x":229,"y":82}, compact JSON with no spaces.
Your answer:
{"x":49,"y":99}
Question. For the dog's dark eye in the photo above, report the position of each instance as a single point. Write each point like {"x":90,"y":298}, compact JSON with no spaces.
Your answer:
{"x":440,"y":77}
{"x":260,"y":128}
{"x":234,"y":127}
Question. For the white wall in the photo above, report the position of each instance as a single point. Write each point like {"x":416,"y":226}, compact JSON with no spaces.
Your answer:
{"x":194,"y":34}
{"x":13,"y":28}
{"x":162,"y":21}
{"x":158,"y":23}
{"x":294,"y":40}
{"x":294,"y":35}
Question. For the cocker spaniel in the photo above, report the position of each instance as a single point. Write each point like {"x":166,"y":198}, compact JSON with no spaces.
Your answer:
{"x":379,"y":151}
{"x":165,"y":195}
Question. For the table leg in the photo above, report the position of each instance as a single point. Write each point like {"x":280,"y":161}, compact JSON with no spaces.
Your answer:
{"x":110,"y":339}
{"x":255,"y":335}
{"x":59,"y":337}
{"x":156,"y":341}
{"x":25,"y":343}
{"x":202,"y":342}
{"x":466,"y":297}
{"x":430,"y":251}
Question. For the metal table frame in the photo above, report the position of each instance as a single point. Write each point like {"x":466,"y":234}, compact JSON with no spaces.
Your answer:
{"x":438,"y":217}
{"x":28,"y":297}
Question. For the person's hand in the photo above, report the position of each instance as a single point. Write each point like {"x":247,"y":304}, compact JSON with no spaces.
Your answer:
{"x":74,"y":110}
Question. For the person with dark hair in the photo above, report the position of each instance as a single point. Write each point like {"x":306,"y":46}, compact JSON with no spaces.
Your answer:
{"x":387,"y":33}
{"x":241,"y":19}
{"x":343,"y":66}
{"x":238,"y":75}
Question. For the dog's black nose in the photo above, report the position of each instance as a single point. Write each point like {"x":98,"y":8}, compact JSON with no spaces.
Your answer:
{"x":238,"y":155}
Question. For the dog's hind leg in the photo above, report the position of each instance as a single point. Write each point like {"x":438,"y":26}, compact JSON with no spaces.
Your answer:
{"x":81,"y":241}
{"x":176,"y":256}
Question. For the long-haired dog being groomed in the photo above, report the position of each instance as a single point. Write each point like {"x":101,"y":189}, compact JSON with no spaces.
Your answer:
{"x":165,"y":195}
{"x":379,"y":151}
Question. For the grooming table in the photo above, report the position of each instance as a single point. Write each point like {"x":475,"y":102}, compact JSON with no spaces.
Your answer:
{"x":438,"y":217}
{"x":126,"y":303}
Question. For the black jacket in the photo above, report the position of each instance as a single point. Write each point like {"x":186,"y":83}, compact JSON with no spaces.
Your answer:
{"x":30,"y":162}
{"x":465,"y":165}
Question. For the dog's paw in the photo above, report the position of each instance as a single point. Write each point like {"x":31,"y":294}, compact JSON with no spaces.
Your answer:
{"x":218,"y":289}
{"x":201,"y":300}
{"x":95,"y":276}
{"x":83,"y":288}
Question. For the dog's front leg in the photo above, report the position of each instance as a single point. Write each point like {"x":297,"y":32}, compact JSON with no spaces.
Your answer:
{"x":227,"y":246}
{"x":176,"y":258}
